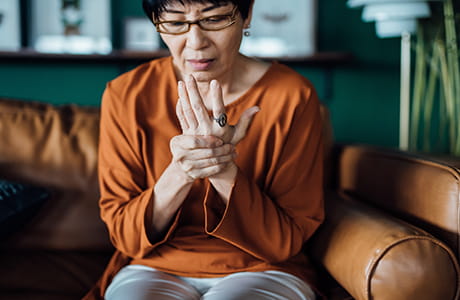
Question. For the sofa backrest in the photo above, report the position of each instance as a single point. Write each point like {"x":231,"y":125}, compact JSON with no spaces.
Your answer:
{"x":54,"y":147}
{"x":423,"y":192}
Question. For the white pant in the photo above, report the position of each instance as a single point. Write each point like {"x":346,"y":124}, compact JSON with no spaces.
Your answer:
{"x":137,"y":282}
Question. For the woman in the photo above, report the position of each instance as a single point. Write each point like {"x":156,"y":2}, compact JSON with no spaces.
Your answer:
{"x":197,"y":207}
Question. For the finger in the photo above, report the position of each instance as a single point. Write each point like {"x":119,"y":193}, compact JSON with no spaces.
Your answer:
{"x":196,"y":101}
{"x":191,"y":142}
{"x":181,"y":117}
{"x":243,"y":124}
{"x":188,"y":148}
{"x":210,"y":153}
{"x":187,"y":110}
{"x":207,"y":172}
{"x":217,"y":99}
{"x":196,"y":165}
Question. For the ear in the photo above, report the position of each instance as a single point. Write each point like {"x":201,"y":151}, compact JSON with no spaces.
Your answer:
{"x":247,"y":21}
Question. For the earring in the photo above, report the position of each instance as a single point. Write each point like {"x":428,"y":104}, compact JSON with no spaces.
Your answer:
{"x":246,"y":30}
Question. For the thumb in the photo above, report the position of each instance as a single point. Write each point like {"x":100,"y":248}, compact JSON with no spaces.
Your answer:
{"x":243,"y":124}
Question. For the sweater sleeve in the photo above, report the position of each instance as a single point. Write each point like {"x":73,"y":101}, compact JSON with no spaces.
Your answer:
{"x":273,"y":222}
{"x":125,"y":201}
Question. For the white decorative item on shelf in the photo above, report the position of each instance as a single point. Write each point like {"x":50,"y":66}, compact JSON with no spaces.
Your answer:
{"x":358,"y":3}
{"x":140,"y":35}
{"x":71,"y":26}
{"x":394,"y":18}
{"x":397,"y":18}
{"x":10,"y":25}
{"x":399,"y":10}
{"x":287,"y":30}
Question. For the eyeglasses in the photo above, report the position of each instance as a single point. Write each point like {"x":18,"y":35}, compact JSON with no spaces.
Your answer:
{"x":211,"y":23}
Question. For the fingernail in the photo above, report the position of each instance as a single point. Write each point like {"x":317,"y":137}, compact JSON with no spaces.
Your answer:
{"x":219,"y":143}
{"x":213,"y":83}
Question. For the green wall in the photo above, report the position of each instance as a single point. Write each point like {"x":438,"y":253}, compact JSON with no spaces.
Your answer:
{"x":362,"y":95}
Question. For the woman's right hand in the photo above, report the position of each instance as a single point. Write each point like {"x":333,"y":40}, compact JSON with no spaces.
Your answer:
{"x":201,"y":156}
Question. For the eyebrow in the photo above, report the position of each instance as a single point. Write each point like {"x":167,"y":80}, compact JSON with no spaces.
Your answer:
{"x":206,"y":9}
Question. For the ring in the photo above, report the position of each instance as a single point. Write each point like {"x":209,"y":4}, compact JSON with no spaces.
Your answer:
{"x":221,"y":120}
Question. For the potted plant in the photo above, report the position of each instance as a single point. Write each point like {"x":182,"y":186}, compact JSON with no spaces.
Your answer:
{"x":435,"y":111}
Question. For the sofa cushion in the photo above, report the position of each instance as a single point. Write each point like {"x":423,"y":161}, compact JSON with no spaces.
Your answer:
{"x":18,"y":204}
{"x":55,"y":147}
{"x":375,"y":256}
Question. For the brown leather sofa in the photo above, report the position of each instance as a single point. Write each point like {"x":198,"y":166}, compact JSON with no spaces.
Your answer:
{"x":391,"y":229}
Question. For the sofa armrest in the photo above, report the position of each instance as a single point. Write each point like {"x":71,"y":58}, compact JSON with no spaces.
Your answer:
{"x":422,"y":190}
{"x":375,"y":256}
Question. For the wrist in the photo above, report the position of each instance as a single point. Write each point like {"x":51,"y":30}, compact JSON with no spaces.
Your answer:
{"x":224,"y":181}
{"x":178,"y":173}
{"x":228,"y":174}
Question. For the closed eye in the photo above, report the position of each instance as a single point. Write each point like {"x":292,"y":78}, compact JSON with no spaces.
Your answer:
{"x":216,"y":19}
{"x":176,"y":23}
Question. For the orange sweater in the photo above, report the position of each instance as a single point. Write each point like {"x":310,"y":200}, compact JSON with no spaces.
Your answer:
{"x":276,"y":203}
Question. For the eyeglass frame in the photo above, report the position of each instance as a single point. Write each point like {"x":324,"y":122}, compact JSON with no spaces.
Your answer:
{"x":232,"y":16}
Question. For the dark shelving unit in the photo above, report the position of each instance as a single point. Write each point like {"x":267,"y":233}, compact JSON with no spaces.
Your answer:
{"x":325,"y":59}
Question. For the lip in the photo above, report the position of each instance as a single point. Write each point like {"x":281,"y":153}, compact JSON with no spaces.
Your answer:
{"x":200,"y":64}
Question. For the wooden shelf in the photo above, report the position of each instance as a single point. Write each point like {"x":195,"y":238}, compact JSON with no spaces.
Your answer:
{"x":27,"y":55}
{"x":124,"y":57}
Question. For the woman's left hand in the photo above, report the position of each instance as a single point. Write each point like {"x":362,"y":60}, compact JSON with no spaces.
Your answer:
{"x":194,"y":118}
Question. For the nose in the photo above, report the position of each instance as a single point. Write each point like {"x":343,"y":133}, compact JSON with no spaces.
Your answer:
{"x":196,"y":38}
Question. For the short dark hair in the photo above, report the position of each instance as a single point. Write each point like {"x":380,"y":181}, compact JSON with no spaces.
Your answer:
{"x":154,"y":8}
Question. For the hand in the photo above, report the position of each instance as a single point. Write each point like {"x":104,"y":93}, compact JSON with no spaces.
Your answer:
{"x":194,"y":118}
{"x":201,"y":156}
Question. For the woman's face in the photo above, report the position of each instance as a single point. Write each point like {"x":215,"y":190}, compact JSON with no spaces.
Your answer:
{"x":204,"y":54}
